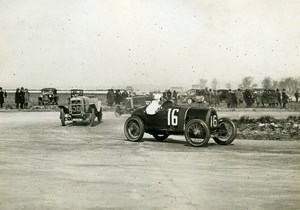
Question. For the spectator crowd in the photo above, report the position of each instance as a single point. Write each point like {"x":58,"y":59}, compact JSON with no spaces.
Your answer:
{"x":116,"y":96}
{"x":258,"y":98}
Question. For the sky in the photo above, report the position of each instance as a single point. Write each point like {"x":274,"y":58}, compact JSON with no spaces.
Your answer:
{"x":146,"y":43}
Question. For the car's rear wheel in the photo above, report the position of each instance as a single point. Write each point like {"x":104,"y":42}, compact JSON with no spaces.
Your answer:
{"x":160,"y":137}
{"x":226,"y":132}
{"x":62,"y":117}
{"x":99,"y":117}
{"x":118,"y":111}
{"x":189,"y":101}
{"x":92,"y":117}
{"x":197,"y":133}
{"x":134,"y":129}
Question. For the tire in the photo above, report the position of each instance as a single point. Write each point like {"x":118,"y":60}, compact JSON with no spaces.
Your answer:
{"x":189,"y":101}
{"x":196,"y":130}
{"x":99,"y":116}
{"x":92,"y":117}
{"x":134,"y":129}
{"x":226,"y":132}
{"x":160,"y":137}
{"x":62,"y":117}
{"x":118,"y":111}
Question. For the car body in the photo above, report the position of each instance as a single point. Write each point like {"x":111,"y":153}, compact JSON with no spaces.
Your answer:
{"x":48,"y":97}
{"x":194,"y":95}
{"x":197,"y":124}
{"x":132,"y":103}
{"x":81,"y":108}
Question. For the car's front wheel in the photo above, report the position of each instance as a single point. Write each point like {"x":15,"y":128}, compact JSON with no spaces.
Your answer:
{"x":226,"y":132}
{"x":160,"y":137}
{"x":134,"y":129}
{"x":99,"y":116}
{"x":197,"y":133}
{"x":62,"y":117}
{"x":189,"y":101}
{"x":92,"y":117}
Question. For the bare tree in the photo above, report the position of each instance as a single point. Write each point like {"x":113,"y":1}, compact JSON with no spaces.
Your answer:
{"x":202,"y":83}
{"x":275,"y":84}
{"x":246,"y":83}
{"x":214,"y":84}
{"x":290,"y":84}
{"x":228,"y":85}
{"x":267,"y":83}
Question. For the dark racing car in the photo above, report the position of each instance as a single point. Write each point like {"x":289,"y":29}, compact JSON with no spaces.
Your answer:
{"x":197,"y":124}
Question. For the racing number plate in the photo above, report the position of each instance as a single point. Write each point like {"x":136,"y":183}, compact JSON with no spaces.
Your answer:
{"x":76,"y":108}
{"x":213,"y":121}
{"x":173,"y":117}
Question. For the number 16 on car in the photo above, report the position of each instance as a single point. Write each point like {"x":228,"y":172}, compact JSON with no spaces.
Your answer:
{"x":173,"y":117}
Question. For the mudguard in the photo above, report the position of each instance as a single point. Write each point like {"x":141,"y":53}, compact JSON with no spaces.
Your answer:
{"x":66,"y":110}
{"x":208,"y":115}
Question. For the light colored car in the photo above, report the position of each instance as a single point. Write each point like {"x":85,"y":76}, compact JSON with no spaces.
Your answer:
{"x":81,"y":108}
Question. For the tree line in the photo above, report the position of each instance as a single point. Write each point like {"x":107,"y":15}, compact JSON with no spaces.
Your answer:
{"x":291,"y":84}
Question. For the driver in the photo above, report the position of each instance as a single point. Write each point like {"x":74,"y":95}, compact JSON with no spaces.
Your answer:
{"x":154,"y":106}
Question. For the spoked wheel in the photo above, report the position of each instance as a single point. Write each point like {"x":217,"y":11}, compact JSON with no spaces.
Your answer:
{"x":197,"y":133}
{"x":118,"y":111}
{"x":189,"y":101}
{"x":92,"y":117}
{"x":226,"y":132}
{"x":99,"y":116}
{"x":134,"y":129}
{"x":160,"y":137}
{"x":62,"y":117}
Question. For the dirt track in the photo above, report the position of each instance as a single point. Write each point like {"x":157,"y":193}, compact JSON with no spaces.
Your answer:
{"x":46,"y":166}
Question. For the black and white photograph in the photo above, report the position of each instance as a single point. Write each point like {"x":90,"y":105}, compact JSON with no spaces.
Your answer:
{"x":149,"y":104}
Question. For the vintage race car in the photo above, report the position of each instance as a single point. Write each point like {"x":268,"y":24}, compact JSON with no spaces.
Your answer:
{"x":197,"y":124}
{"x":81,"y":108}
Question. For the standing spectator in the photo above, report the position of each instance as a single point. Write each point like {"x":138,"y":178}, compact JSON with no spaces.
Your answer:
{"x":278,"y":97}
{"x":164,"y":95}
{"x":297,"y":96}
{"x":270,"y":96}
{"x":22,"y":97}
{"x":2,"y":96}
{"x":211,"y":97}
{"x":124,"y":96}
{"x":229,"y":98}
{"x":110,"y":97}
{"x":118,"y":97}
{"x":239,"y":97}
{"x":169,"y":95}
{"x":17,"y":98}
{"x":265,"y":98}
{"x":248,"y":98}
{"x":285,"y":98}
{"x":26,"y":98}
{"x":174,"y":96}
{"x":233,"y":103}
{"x":275,"y":98}
{"x":259,"y":98}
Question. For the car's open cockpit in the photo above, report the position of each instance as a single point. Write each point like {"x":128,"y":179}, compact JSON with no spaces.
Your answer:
{"x":156,"y":106}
